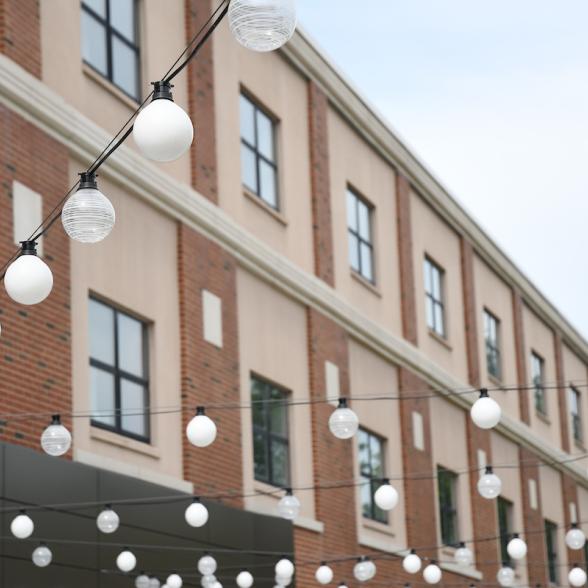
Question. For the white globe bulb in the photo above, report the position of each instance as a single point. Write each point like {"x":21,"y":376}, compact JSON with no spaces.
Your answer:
{"x":217,"y":584}
{"x":56,"y":439}
{"x":201,"y":430}
{"x":463,"y":556}
{"x":517,"y":548}
{"x":42,"y":556}
{"x":244,"y":580}
{"x":283,"y":581}
{"x":362,"y":571}
{"x":22,"y":526}
{"x":575,"y":538}
{"x":262,"y":25}
{"x":142,"y":581}
{"x":107,"y":521}
{"x":343,"y":422}
{"x":505,"y":577}
{"x":432,"y":574}
{"x":126,"y":561}
{"x":371,"y":569}
{"x":207,"y":565}
{"x":154,"y":583}
{"x":162,"y":130}
{"x":577,"y":577}
{"x":324,"y":574}
{"x":174,"y":581}
{"x":208,"y":581}
{"x":489,"y":485}
{"x":411,"y":563}
{"x":342,"y":585}
{"x":28,"y":279}
{"x":88,"y":216}
{"x":196,"y":514}
{"x":386,"y":497}
{"x":485,"y":412}
{"x":289,"y":506}
{"x":285,"y":568}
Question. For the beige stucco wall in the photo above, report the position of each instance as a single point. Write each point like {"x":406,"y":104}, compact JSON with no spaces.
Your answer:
{"x":433,"y":237}
{"x":496,"y":296}
{"x":539,"y":338}
{"x":64,"y":72}
{"x":373,"y":376}
{"x":575,"y":371}
{"x":143,"y":281}
{"x":281,"y":90}
{"x":552,"y":508}
{"x":583,"y":509}
{"x":261,"y":310}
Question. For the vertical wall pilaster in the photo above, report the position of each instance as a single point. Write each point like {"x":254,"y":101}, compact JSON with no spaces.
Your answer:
{"x":521,"y":356}
{"x":562,"y":401}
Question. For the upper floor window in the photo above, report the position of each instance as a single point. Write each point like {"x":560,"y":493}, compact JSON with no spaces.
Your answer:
{"x":538,"y":375}
{"x":359,"y":225}
{"x":371,"y":471}
{"x":505,"y":509}
{"x":551,"y":545}
{"x":259,"y":168}
{"x":492,"y":341}
{"x":576,"y":413}
{"x":119,"y":381}
{"x":435,"y":306}
{"x":110,"y":43}
{"x":447,"y":490}
{"x":271,"y":451}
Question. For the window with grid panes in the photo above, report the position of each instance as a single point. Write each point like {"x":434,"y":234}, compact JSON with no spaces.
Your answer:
{"x":505,"y":508}
{"x":447,"y":491}
{"x":576,"y":414}
{"x":359,"y":228}
{"x":435,"y":305}
{"x":371,"y":471}
{"x":551,"y":546}
{"x":492,"y":342}
{"x":538,"y":375}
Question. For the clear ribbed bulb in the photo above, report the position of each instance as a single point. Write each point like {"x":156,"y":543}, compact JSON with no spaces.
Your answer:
{"x":107,"y":521}
{"x":56,"y":439}
{"x":88,"y":216}
{"x":289,"y":507}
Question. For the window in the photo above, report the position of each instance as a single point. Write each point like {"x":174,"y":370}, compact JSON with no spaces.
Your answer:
{"x":491,"y":338}
{"x":504,"y":528}
{"x":271,"y":452}
{"x":359,"y":225}
{"x":551,"y":545}
{"x":119,"y":381}
{"x":259,"y":169}
{"x":110,"y":42}
{"x":371,"y":471}
{"x":434,"y":297}
{"x":538,"y":374}
{"x":576,"y":412}
{"x":447,"y":489}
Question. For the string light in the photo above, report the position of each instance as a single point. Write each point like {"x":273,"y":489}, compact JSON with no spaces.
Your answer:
{"x":324,"y":574}
{"x":343,"y":422}
{"x":432,"y":573}
{"x":107,"y":521}
{"x":284,"y":568}
{"x":126,"y":561}
{"x":154,"y":582}
{"x":56,"y":439}
{"x":516,"y":547}
{"x":28,"y":279}
{"x":244,"y":579}
{"x":485,"y":412}
{"x":575,"y":538}
{"x":207,"y":565}
{"x":208,"y":581}
{"x":489,"y":485}
{"x":174,"y":581}
{"x":142,"y":581}
{"x":412,"y":563}
{"x":577,"y":576}
{"x":505,"y":576}
{"x":386,"y":496}
{"x":364,"y":569}
{"x":463,"y":556}
{"x":196,"y":514}
{"x":42,"y":556}
{"x":201,"y":430}
{"x":22,"y":526}
{"x":289,"y":506}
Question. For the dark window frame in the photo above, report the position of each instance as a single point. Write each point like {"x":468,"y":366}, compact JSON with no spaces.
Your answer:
{"x":355,"y":233}
{"x":431,"y":266}
{"x":448,"y":512}
{"x":119,"y":374}
{"x":539,"y":383}
{"x":505,"y":510}
{"x":111,"y":32}
{"x":492,"y":346}
{"x":551,"y":551}
{"x":374,"y":482}
{"x":576,"y":414}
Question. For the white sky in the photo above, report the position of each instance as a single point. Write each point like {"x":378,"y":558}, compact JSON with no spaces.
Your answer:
{"x":493,"y":97}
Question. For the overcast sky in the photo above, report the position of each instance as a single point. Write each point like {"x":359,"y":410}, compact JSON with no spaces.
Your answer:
{"x":493,"y":97}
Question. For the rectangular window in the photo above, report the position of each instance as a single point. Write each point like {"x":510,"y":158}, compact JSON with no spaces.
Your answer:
{"x":538,"y":375}
{"x":259,"y":168}
{"x":371,"y":471}
{"x":505,"y":508}
{"x":551,"y":545}
{"x":110,"y":43}
{"x":435,"y":307}
{"x":576,"y":413}
{"x":271,"y":451}
{"x":359,"y":226}
{"x":119,"y":375}
{"x":491,"y":338}
{"x":447,"y":489}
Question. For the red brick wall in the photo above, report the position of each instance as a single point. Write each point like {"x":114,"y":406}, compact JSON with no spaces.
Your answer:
{"x":569,"y":494}
{"x":562,"y":401}
{"x":35,"y":344}
{"x":209,"y":374}
{"x":20,"y":33}
{"x":521,"y":355}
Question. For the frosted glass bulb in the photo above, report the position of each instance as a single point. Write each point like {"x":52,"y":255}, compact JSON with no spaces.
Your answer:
{"x":142,"y":581}
{"x":575,"y":538}
{"x":386,"y":496}
{"x":244,"y":580}
{"x":324,"y":574}
{"x":262,"y":25}
{"x":432,"y":573}
{"x":463,"y":556}
{"x":371,"y":569}
{"x":107,"y":521}
{"x":22,"y":526}
{"x":207,"y":565}
{"x":42,"y":556}
{"x":362,"y":570}
{"x":174,"y":581}
{"x":56,"y":439}
{"x":285,"y":568}
{"x":412,"y":563}
{"x":517,"y":548}
{"x":201,"y":430}
{"x":577,"y":577}
{"x":126,"y":561}
{"x":208,"y":581}
{"x":505,"y":576}
{"x":162,"y":130}
{"x":283,"y":581}
{"x":343,"y":422}
{"x":196,"y":514}
{"x":485,"y":412}
{"x":28,"y":279}
{"x":489,"y":485}
{"x":217,"y":584}
{"x":88,"y":216}
{"x":289,"y":506}
{"x":154,"y":583}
